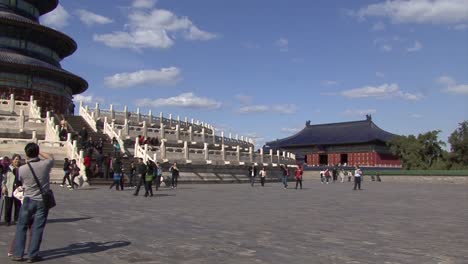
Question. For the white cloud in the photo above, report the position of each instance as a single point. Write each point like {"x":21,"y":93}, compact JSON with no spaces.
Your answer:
{"x":87,"y":99}
{"x":461,"y":27}
{"x":164,"y":76}
{"x":244,"y":99}
{"x":279,"y":109}
{"x":329,"y":82}
{"x":451,"y":85}
{"x":184,"y":100}
{"x":381,"y":92}
{"x":418,"y":11}
{"x":386,"y":48}
{"x":380,"y":74}
{"x":144,"y":3}
{"x":290,"y":130}
{"x":446,"y":80}
{"x":379,"y":26}
{"x":282,"y":44}
{"x":90,"y":18}
{"x":359,"y":112}
{"x":458,"y":89}
{"x":157,"y":28}
{"x":58,"y":18}
{"x":416,"y":47}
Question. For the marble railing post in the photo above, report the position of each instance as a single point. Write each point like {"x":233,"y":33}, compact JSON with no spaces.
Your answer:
{"x":21,"y":120}
{"x":162,"y":149}
{"x":205,"y":151}
{"x":230,"y":135}
{"x":170,"y":120}
{"x":191,"y":121}
{"x":223,"y":153}
{"x":112,"y":113}
{"x":161,"y":119}
{"x":138,"y":115}
{"x":144,"y":129}
{"x":237,"y":137}
{"x":250,"y":154}
{"x":186,"y":150}
{"x":177,"y":132}
{"x":278,"y":155}
{"x":238,"y":153}
{"x":222,"y":138}
{"x":203,"y":135}
{"x":150,"y":118}
{"x":97,"y":111}
{"x":34,"y":136}
{"x":242,"y":138}
{"x":185,"y":121}
{"x":261,"y":155}
{"x":271,"y":156}
{"x":12,"y":103}
{"x":145,"y":156}
{"x":178,"y":120}
{"x":213,"y":133}
{"x":162,"y":132}
{"x":190,"y":131}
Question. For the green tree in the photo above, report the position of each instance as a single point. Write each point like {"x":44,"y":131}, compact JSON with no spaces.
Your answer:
{"x":459,"y":146}
{"x":422,"y":152}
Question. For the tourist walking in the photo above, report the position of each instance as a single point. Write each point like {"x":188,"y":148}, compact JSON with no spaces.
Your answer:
{"x":66,"y":172}
{"x":117,"y":176}
{"x":357,"y":178}
{"x":37,"y":172}
{"x":175,"y":175}
{"x":298,"y":176}
{"x":350,"y":175}
{"x":342,"y":174}
{"x":87,"y":163}
{"x":335,"y":174}
{"x":263,"y":174}
{"x":10,"y":183}
{"x":285,"y":174}
{"x":252,"y":174}
{"x":327,"y":176}
{"x":131,"y":175}
{"x":149,"y":179}
{"x":141,"y":170}
{"x":116,"y":145}
{"x":157,"y":175}
{"x":75,"y":171}
{"x":322,"y":176}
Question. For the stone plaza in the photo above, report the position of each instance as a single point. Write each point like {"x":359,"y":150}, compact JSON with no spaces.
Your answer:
{"x":387,"y":222}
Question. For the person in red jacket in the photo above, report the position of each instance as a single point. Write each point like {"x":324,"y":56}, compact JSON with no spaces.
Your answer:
{"x":298,"y":175}
{"x":87,"y":164}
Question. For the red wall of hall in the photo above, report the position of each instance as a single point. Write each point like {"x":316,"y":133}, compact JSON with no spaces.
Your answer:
{"x":357,"y":158}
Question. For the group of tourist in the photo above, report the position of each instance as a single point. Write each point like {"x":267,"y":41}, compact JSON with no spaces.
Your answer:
{"x":141,"y":174}
{"x":23,"y":186}
{"x":331,"y":175}
{"x":298,"y":173}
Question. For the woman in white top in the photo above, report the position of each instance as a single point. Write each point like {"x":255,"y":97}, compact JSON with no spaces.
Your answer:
{"x":263,"y":174}
{"x":357,"y":178}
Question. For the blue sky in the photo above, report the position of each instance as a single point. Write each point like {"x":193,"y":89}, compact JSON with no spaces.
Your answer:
{"x":262,"y":68}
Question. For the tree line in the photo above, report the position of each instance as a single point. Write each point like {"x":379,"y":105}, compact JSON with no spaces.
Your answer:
{"x":426,"y":151}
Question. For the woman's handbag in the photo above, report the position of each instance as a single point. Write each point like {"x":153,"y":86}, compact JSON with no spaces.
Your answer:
{"x":48,"y":197}
{"x":19,"y":193}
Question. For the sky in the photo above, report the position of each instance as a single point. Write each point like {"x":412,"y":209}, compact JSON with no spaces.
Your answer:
{"x":262,"y":68}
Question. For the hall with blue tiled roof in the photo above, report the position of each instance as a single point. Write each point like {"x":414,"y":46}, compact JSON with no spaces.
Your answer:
{"x":347,"y":143}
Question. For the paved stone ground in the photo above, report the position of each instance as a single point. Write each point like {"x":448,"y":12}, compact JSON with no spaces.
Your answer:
{"x":235,"y":223}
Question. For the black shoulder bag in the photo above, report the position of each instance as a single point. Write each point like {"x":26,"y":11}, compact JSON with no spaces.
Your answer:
{"x":47,"y":197}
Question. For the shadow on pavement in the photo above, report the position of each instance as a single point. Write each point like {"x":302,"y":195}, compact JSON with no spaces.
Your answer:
{"x":67,"y":220}
{"x":82,"y":248}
